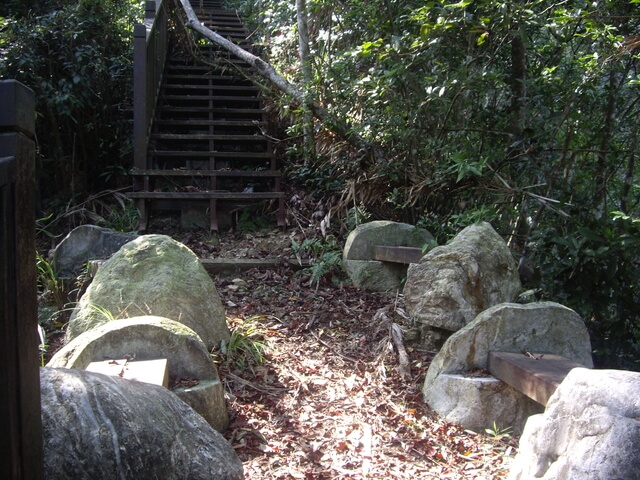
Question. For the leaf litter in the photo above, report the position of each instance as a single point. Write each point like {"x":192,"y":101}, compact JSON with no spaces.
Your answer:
{"x":318,"y":386}
{"x":325,"y":396}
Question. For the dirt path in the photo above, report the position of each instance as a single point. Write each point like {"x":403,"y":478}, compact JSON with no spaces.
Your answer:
{"x":314,"y":390}
{"x":312,"y":381}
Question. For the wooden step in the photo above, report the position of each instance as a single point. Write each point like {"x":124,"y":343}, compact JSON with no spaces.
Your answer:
{"x":191,"y":65}
{"x":220,"y":110}
{"x":204,"y":76}
{"x":186,"y":59}
{"x":206,"y":72}
{"x":231,"y":88}
{"x":207,"y":154}
{"x":213,"y":123}
{"x":198,"y":136}
{"x":218,"y":98}
{"x":217,"y":195}
{"x":192,"y":129}
{"x":209,"y":173}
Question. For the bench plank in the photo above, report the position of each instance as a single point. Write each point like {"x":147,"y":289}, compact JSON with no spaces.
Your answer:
{"x":397,"y":254}
{"x":155,"y":372}
{"x":537,"y":377}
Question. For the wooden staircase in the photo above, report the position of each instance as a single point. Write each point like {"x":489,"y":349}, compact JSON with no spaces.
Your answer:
{"x":207,"y":146}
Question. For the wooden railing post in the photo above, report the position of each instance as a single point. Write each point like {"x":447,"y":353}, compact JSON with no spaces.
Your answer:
{"x":20,"y":424}
{"x":140,"y":120}
{"x":142,"y":35}
{"x":150,"y":9}
{"x":149,"y":56}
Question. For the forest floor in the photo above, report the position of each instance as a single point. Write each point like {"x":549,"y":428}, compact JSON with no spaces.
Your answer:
{"x":312,"y":381}
{"x":318,"y":394}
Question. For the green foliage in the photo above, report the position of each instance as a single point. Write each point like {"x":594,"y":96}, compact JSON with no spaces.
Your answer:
{"x":444,"y":228}
{"x":250,"y":222}
{"x":42,"y":346}
{"x":48,"y":282}
{"x":498,"y":433}
{"x":329,"y":263}
{"x":77,"y":57}
{"x":322,"y":178}
{"x":125,"y":219}
{"x":101,"y":312}
{"x":108,"y":208}
{"x":247,"y":346}
{"x":593,"y":268}
{"x":435,"y":85}
{"x":357,"y":216}
{"x":325,"y":256}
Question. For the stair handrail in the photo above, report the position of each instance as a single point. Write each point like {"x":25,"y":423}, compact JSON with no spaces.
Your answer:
{"x":149,"y":55}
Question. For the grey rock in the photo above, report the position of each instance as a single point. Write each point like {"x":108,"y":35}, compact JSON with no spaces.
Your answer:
{"x":478,"y":402}
{"x":150,"y":338}
{"x":360,"y":242}
{"x":96,"y":426}
{"x":86,"y":243}
{"x":590,"y":430}
{"x":375,"y":276}
{"x":537,"y":327}
{"x":153,"y":275}
{"x":455,"y":282}
{"x":357,"y":255}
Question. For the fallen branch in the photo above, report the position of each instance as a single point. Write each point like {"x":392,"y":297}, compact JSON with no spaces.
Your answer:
{"x":269,"y":391}
{"x":340,"y":128}
{"x":404,"y":368}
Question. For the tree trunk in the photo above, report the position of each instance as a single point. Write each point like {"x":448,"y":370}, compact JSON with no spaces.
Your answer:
{"x":518,"y":77}
{"x":628,"y":175}
{"x":305,"y":63}
{"x":602,"y":172}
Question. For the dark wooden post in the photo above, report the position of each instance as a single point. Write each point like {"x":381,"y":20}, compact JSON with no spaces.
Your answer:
{"x":20,"y":424}
{"x":149,"y":55}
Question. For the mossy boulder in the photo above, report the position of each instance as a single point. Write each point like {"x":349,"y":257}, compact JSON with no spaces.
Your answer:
{"x":153,"y":275}
{"x":150,"y":338}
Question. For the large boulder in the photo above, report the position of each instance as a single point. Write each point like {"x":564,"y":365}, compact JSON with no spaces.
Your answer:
{"x":455,"y":282}
{"x":357,"y":256}
{"x":479,"y":401}
{"x":536,"y":327}
{"x":375,"y":276}
{"x":96,"y":426}
{"x":149,"y":338}
{"x":590,"y":430}
{"x":360,"y":242}
{"x":86,"y":243}
{"x":153,"y":275}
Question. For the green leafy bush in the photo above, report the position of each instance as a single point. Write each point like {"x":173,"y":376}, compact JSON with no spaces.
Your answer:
{"x":246,"y":346}
{"x":594,"y":268}
{"x":325,"y":256}
{"x":77,"y":56}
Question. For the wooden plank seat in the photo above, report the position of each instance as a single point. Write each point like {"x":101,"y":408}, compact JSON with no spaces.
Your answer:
{"x":537,"y":375}
{"x":404,"y":255}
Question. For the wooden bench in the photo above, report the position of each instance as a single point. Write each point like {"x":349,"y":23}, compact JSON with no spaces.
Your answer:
{"x":537,"y":375}
{"x":155,"y":372}
{"x":404,"y":255}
